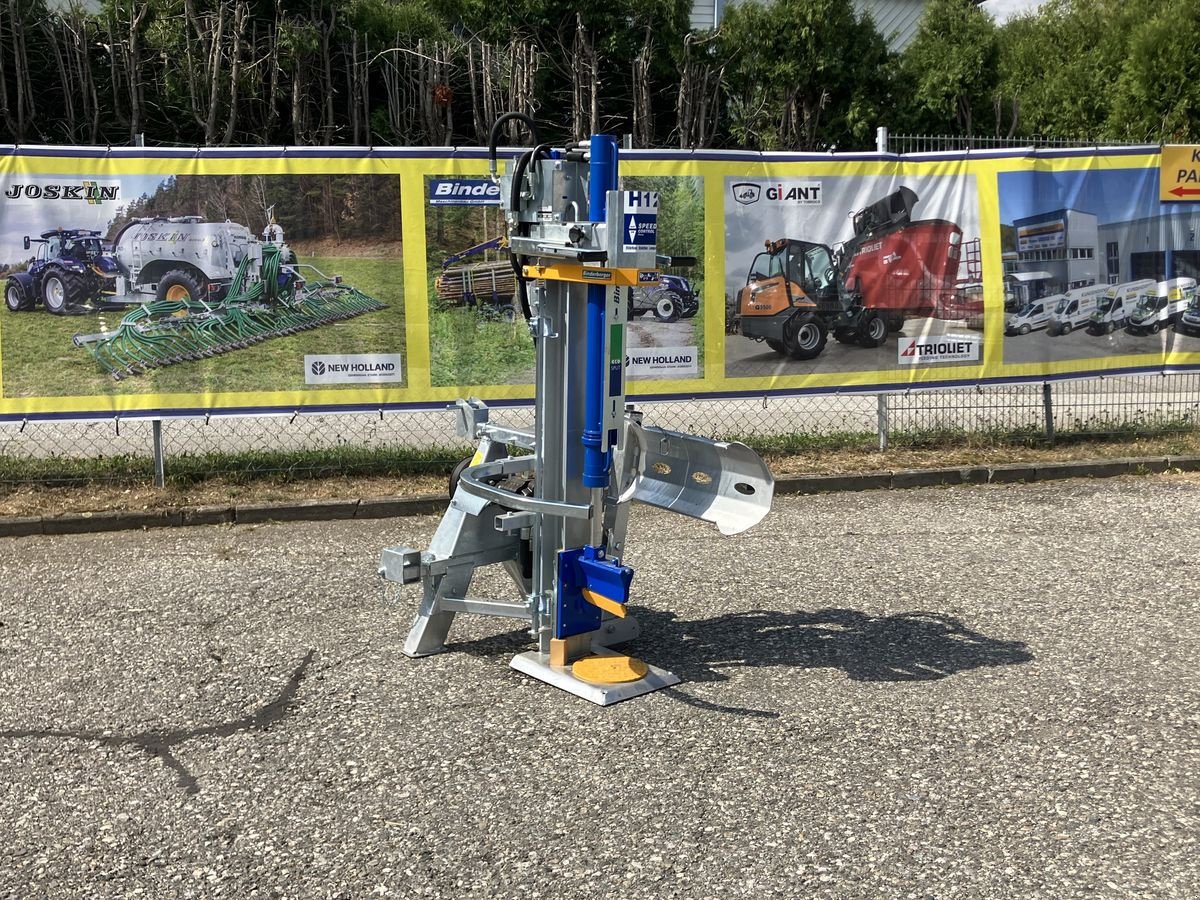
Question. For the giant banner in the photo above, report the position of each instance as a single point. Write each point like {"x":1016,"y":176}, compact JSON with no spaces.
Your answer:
{"x":166,"y":282}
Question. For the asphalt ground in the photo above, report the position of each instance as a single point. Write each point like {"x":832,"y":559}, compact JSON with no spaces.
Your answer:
{"x":1041,"y":346}
{"x":948,"y":692}
{"x":746,"y":357}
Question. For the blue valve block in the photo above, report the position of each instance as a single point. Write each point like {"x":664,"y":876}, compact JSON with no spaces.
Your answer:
{"x":589,"y":582}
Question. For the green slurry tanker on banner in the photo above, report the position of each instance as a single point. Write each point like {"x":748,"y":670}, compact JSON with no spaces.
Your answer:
{"x":197,"y":289}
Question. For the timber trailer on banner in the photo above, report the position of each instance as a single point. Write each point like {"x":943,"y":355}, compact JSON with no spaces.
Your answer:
{"x":578,"y":247}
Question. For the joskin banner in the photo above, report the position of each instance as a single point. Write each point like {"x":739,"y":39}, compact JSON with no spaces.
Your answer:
{"x":165,"y":282}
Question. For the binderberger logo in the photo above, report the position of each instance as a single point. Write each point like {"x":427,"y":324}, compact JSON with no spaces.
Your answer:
{"x":87,"y":192}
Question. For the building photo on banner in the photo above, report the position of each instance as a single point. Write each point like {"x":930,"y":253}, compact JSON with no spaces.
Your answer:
{"x":828,"y":274}
{"x":477,"y":331}
{"x":199,"y":285}
{"x":1095,"y":267}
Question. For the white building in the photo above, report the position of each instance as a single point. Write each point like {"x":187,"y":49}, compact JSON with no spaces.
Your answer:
{"x":896,"y":20}
{"x":1077,"y":251}
{"x":1158,"y":247}
{"x":1062,"y":242}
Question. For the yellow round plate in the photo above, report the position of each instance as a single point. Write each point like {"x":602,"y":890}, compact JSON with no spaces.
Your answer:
{"x":609,"y":669}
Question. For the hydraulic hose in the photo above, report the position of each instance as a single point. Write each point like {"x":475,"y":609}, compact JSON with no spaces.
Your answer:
{"x":514,"y":202}
{"x":494,"y":137}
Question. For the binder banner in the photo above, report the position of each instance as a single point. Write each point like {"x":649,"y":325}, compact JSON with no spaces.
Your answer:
{"x":158,"y":282}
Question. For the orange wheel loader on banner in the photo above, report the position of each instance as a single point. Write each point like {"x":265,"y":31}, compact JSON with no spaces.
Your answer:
{"x":797,"y":293}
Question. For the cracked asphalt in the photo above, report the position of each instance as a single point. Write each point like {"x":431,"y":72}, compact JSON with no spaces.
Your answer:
{"x":974,"y":692}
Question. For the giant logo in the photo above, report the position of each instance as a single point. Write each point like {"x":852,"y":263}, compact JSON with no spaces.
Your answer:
{"x":746,"y":193}
{"x":791,"y":193}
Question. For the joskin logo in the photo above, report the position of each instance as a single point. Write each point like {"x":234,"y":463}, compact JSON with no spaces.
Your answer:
{"x":88,"y":191}
{"x":798,"y":193}
{"x":940,"y":348}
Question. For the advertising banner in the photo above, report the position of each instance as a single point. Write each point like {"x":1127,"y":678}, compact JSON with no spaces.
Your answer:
{"x":167,"y":282}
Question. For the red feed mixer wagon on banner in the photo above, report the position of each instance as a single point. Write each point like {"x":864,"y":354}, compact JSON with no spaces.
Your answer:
{"x":797,"y":292}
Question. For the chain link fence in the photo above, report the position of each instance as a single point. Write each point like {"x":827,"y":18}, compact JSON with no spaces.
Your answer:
{"x":938,"y":143}
{"x":298,"y":446}
{"x":395,"y":443}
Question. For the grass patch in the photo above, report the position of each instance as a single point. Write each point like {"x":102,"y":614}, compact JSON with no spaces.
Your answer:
{"x":237,"y":468}
{"x":468,"y":349}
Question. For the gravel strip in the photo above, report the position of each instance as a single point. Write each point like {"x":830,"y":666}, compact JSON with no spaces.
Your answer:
{"x":977,"y":692}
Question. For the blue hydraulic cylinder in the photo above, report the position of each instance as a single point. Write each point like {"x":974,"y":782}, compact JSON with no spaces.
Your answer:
{"x":602,"y":178}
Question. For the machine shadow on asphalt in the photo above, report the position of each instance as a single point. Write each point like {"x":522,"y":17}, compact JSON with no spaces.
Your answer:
{"x":910,"y":646}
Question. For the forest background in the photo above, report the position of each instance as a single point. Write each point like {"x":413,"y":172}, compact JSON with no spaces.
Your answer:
{"x":786,"y":75}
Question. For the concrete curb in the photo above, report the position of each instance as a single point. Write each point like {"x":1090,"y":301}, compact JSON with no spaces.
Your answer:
{"x":1003,"y":474}
{"x":430,"y":504}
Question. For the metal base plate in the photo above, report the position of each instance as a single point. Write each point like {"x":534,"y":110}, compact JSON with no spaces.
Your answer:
{"x":537,"y":665}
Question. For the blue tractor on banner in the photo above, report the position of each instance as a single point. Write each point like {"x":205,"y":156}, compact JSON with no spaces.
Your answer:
{"x":69,"y":269}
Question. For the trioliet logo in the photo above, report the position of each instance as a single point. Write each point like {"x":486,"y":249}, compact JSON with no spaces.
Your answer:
{"x":938,"y":348}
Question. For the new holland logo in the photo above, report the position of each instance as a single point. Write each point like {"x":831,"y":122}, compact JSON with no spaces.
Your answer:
{"x":745,"y":192}
{"x":352,"y":368}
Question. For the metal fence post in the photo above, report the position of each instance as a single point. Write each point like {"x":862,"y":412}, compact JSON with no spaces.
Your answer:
{"x":160,"y":475}
{"x":881,"y":419}
{"x":1048,"y":409}
{"x":881,"y":139}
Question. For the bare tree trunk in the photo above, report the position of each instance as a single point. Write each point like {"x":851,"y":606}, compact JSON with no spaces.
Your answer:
{"x":20,"y":71}
{"x":365,"y":75}
{"x":48,"y":29}
{"x":585,"y":83}
{"x":472,"y":76}
{"x":214,"y":75}
{"x":5,"y":110}
{"x":699,"y":95}
{"x":114,"y":71}
{"x":134,"y":67}
{"x":351,"y":66}
{"x":643,"y":116}
{"x":273,"y":62}
{"x":241,"y":13}
{"x":297,"y":106}
{"x":329,"y":125}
